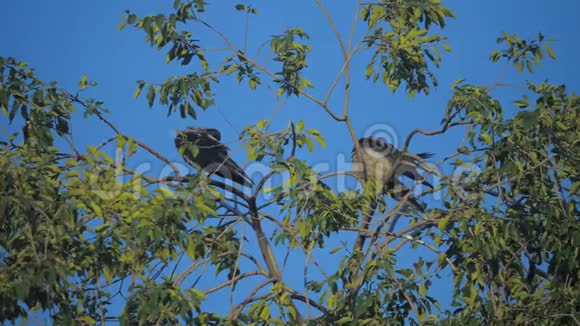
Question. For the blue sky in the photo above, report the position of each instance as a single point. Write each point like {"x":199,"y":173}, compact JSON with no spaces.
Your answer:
{"x":67,"y":39}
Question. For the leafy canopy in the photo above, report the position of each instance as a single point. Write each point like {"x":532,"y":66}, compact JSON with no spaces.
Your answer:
{"x":82,"y":230}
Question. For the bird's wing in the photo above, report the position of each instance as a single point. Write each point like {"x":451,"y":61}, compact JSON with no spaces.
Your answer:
{"x":398,"y":190}
{"x":221,"y":163}
{"x":409,"y":169}
{"x":414,"y":162}
{"x":213,"y":155}
{"x":379,"y":157}
{"x":228,"y":169}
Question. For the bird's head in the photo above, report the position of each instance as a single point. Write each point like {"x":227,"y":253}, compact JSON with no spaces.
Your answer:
{"x":196,"y":132}
{"x":377,"y":145}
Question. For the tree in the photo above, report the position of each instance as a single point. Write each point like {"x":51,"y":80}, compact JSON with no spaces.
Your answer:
{"x":82,"y":231}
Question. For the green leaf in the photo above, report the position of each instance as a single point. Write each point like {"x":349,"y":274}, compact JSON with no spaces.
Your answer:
{"x":121,"y":141}
{"x":442,"y":261}
{"x":131,"y":19}
{"x":529,"y":66}
{"x":252,"y":83}
{"x":550,"y":51}
{"x":197,"y":293}
{"x":442,"y":223}
{"x":422,"y":290}
{"x":261,"y":124}
{"x":96,"y":209}
{"x":528,"y":119}
{"x":309,"y":143}
{"x":574,"y":189}
{"x":265,"y":313}
{"x":344,"y":320}
{"x":522,"y":103}
{"x":165,"y":192}
{"x":316,"y":134}
{"x":332,"y":302}
{"x":335,"y":250}
{"x":369,"y":70}
{"x":519,"y":66}
{"x":151,"y":95}
{"x":291,"y":311}
{"x":131,"y":146}
{"x":486,"y":138}
{"x":299,"y":126}
{"x":191,"y":249}
{"x":83,"y":83}
{"x":108,"y":273}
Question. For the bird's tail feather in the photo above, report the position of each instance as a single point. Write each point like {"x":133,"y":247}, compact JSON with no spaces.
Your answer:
{"x":425,"y":155}
{"x":237,"y":174}
{"x":399,"y":190}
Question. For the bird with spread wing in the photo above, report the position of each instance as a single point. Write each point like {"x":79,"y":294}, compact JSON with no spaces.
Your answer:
{"x":202,"y":149}
{"x":379,"y":158}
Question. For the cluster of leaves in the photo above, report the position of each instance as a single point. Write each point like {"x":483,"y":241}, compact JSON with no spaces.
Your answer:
{"x":176,"y":93}
{"x":162,"y":30}
{"x":523,"y":53}
{"x":263,"y":144}
{"x":293,"y":57}
{"x":243,"y":69}
{"x":311,"y":210}
{"x":75,"y":226}
{"x":388,"y":298}
{"x":399,"y":34}
{"x":43,"y":106}
{"x":81,"y":229}
{"x":513,"y":229}
{"x":42,"y":243}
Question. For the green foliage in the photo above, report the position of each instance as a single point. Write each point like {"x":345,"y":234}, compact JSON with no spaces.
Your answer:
{"x":293,"y":57}
{"x":176,"y":93}
{"x":399,"y":36}
{"x":246,"y":8}
{"x":160,"y":304}
{"x":162,"y":31}
{"x":243,"y":68}
{"x":515,"y":230}
{"x":70,"y":230}
{"x":41,"y":105}
{"x":262,"y":144}
{"x":82,"y":229}
{"x":522,"y":53}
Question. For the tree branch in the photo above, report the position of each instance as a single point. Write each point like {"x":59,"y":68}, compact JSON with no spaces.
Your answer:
{"x":269,"y":73}
{"x":232,"y":281}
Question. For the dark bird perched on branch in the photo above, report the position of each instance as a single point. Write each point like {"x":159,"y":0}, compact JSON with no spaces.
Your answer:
{"x":379,"y":158}
{"x":201,"y":148}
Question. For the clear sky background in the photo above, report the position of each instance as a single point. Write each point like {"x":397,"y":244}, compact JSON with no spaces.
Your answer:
{"x":66,"y":39}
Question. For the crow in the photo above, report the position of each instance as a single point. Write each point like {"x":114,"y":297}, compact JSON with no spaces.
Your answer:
{"x":201,"y":148}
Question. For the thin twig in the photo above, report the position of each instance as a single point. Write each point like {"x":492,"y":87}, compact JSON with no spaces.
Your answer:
{"x":232,"y":281}
{"x":237,"y":310}
{"x":188,"y":271}
{"x":269,"y":73}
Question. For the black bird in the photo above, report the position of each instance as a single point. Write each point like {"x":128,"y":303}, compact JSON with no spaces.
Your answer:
{"x":379,"y":158}
{"x":201,"y":148}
